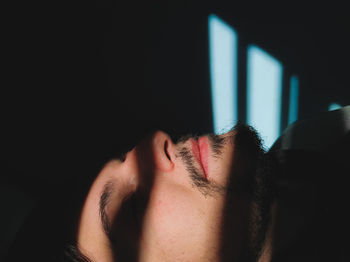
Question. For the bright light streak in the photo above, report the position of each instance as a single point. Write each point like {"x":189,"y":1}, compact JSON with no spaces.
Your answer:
{"x":264,"y":92}
{"x":223,"y":73}
{"x":293,"y":99}
{"x":334,"y":106}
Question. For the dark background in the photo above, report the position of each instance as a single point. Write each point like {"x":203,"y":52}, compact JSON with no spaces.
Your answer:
{"x":81,"y":84}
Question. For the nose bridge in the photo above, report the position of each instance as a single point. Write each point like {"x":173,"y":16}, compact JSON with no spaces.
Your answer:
{"x":142,"y":163}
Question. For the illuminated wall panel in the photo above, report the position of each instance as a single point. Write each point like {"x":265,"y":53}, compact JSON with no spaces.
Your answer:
{"x":333,"y":106}
{"x":293,"y":99}
{"x":264,"y":91}
{"x":223,"y":73}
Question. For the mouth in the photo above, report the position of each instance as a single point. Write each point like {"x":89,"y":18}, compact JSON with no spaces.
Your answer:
{"x":200,"y":150}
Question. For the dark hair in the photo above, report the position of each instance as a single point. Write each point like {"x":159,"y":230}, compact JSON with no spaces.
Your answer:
{"x":255,"y":179}
{"x":73,"y":254}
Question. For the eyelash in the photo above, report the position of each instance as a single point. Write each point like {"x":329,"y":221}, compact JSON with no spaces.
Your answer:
{"x":121,"y":157}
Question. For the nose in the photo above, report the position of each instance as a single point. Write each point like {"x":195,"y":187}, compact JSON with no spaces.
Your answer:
{"x":163,"y":150}
{"x":155,"y":153}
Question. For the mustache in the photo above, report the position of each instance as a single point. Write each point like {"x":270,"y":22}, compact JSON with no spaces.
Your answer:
{"x":217,"y":142}
{"x":206,"y":187}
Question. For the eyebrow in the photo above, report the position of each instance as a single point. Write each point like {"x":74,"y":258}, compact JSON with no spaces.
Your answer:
{"x":108,"y":189}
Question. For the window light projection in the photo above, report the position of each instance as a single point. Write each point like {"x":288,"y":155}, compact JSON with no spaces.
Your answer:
{"x":223,"y":73}
{"x":334,"y":106}
{"x":264,"y":92}
{"x":293,"y":99}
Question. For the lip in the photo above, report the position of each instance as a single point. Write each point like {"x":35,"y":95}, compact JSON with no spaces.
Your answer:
{"x":200,"y":151}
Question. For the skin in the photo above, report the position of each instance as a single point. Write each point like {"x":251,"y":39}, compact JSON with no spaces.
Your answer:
{"x":157,"y":213}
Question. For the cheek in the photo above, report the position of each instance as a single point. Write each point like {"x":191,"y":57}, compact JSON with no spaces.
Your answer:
{"x":174,"y":221}
{"x":175,"y":210}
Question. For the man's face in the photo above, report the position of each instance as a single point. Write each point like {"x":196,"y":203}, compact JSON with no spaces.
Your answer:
{"x":170,"y":202}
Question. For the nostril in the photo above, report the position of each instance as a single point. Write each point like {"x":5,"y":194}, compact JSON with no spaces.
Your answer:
{"x":166,"y":149}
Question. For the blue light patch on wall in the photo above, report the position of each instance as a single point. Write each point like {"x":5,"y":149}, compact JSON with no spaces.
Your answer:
{"x":264,"y":92}
{"x":293,"y":99}
{"x":223,"y":73}
{"x":334,"y":106}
